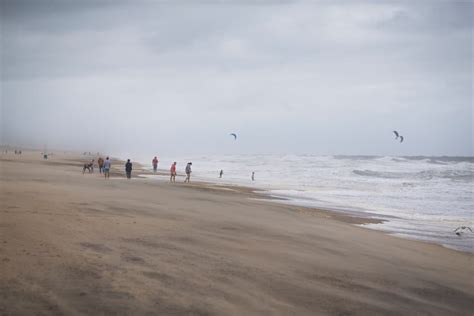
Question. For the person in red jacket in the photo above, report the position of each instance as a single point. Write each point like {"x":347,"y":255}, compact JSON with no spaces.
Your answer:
{"x":173,"y":172}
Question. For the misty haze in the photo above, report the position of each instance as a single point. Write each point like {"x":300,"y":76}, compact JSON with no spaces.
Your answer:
{"x":289,"y":77}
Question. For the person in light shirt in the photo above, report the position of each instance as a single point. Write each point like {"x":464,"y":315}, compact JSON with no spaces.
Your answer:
{"x":188,"y":172}
{"x":107,"y":165}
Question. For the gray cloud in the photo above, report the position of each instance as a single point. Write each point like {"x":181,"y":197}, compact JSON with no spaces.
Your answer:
{"x":323,"y":78}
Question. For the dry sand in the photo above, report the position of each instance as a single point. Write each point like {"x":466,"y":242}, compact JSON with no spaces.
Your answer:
{"x":79,"y":244}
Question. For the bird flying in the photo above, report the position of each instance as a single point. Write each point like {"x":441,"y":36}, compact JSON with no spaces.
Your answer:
{"x":235,"y":135}
{"x":396,"y":134}
{"x":401,"y":139}
{"x":458,"y":231}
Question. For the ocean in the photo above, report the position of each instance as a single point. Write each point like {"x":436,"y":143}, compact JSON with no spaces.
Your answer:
{"x":422,"y":198}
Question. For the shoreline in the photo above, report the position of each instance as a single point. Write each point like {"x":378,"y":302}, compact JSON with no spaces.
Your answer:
{"x":262,"y":195}
{"x":74,"y":243}
{"x":362,"y":218}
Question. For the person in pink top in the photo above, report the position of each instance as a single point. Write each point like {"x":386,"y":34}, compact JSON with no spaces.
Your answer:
{"x":173,"y":172}
{"x":154,"y":162}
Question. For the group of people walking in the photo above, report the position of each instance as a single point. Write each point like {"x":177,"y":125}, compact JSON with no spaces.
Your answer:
{"x":105,"y":165}
{"x":187,"y":170}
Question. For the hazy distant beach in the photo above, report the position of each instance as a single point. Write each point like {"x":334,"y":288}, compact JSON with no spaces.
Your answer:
{"x":80,"y":244}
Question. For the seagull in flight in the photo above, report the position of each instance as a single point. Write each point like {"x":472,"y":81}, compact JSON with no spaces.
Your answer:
{"x":398,"y":136}
{"x":460,"y":230}
{"x":234,"y":134}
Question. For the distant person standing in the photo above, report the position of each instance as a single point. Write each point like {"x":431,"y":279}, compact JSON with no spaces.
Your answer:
{"x":100,"y":162}
{"x":173,"y":172}
{"x":253,"y":175}
{"x":188,"y":172}
{"x":221,"y":173}
{"x":128,"y":169}
{"x":107,"y":166}
{"x":154,"y":162}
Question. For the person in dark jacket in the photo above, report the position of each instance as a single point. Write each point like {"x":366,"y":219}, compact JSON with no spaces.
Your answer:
{"x":128,"y":169}
{"x":154,"y":163}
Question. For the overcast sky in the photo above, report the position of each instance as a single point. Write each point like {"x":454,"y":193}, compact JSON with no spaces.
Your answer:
{"x":286,"y":76}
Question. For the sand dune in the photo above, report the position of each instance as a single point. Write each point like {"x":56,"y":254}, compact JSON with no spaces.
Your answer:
{"x":79,"y":244}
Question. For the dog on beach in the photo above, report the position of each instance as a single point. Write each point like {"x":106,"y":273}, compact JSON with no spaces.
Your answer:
{"x":89,"y":167}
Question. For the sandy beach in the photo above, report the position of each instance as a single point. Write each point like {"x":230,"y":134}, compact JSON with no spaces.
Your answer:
{"x":77,"y":244}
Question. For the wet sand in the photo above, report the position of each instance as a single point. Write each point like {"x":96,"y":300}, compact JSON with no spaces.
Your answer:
{"x":74,"y":244}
